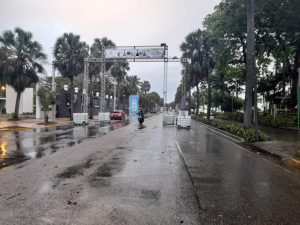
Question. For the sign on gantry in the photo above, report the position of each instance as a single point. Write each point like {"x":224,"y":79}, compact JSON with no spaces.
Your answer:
{"x":158,"y":53}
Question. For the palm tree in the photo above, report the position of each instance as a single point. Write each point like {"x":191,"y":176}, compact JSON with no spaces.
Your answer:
{"x":132,"y":85}
{"x":192,"y":48}
{"x":119,"y":70}
{"x":129,"y":86}
{"x":97,"y":51}
{"x":21,"y":61}
{"x":69,"y":54}
{"x":47,"y":98}
{"x":145,"y":86}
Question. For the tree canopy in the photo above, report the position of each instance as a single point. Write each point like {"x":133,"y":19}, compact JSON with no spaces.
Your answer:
{"x":277,"y":33}
{"x":21,"y":61}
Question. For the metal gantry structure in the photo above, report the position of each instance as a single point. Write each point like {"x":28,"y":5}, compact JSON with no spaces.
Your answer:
{"x":119,"y":54}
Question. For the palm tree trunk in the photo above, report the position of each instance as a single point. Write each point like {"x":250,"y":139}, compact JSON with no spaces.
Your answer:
{"x":190,"y":101}
{"x":17,"y":106}
{"x":295,"y":76}
{"x":209,"y":97}
{"x":46,"y":117}
{"x":72,"y":96}
{"x":198,"y":99}
{"x":222,"y":89}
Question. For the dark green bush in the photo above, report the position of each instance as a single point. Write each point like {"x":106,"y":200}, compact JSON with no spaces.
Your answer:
{"x":236,"y":116}
{"x":277,"y":122}
{"x":247,"y":134}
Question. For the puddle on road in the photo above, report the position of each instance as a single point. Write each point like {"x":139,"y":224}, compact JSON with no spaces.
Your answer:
{"x":76,"y":170}
{"x":14,"y":128}
{"x":17,"y":145}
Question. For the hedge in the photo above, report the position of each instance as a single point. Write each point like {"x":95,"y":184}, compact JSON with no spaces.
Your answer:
{"x":247,"y":134}
{"x":278,"y":122}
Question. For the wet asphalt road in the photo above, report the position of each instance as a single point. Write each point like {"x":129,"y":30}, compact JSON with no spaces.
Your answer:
{"x":153,"y":175}
{"x":235,"y":186}
{"x":21,"y":145}
{"x":129,"y":176}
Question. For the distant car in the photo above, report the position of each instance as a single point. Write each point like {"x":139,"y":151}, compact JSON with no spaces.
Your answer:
{"x":117,"y":115}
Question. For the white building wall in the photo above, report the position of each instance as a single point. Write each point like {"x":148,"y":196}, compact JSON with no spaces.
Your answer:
{"x":26,"y":101}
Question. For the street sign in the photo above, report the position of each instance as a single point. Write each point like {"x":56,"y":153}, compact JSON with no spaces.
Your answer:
{"x":133,"y":104}
{"x":135,"y":53}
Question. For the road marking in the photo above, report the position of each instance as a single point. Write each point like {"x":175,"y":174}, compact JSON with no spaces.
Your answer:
{"x":190,"y":176}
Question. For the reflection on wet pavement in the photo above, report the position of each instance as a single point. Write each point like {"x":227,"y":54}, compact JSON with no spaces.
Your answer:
{"x":236,"y":186}
{"x":19,"y":145}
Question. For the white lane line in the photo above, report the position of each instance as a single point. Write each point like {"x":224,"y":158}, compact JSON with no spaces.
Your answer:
{"x":190,"y":176}
{"x":178,"y":147}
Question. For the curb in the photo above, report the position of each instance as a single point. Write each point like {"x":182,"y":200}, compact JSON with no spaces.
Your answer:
{"x":283,"y":157}
{"x":233,"y":137}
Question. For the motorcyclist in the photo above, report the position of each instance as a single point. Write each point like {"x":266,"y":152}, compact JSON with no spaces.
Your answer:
{"x":141,"y":116}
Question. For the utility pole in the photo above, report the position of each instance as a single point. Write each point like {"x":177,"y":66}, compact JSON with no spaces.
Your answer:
{"x":251,"y":93}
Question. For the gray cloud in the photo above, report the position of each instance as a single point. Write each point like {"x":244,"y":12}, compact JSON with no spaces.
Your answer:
{"x":130,"y":22}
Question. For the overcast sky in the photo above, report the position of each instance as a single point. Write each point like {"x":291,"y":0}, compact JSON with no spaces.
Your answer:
{"x":126,"y":22}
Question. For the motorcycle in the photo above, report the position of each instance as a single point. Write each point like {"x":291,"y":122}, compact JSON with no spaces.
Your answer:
{"x":141,"y":120}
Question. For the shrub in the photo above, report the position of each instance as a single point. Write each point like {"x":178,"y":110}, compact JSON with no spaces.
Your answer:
{"x":278,"y":122}
{"x":247,"y":134}
{"x":236,"y":116}
{"x":47,"y":98}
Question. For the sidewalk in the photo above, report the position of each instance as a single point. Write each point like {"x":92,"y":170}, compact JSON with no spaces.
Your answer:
{"x":285,"y":143}
{"x":31,"y":123}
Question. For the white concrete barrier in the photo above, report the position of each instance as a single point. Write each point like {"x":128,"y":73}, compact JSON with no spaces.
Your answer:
{"x":104,"y":117}
{"x":183,"y":113}
{"x":184,"y":121}
{"x":169,"y":118}
{"x":80,"y":118}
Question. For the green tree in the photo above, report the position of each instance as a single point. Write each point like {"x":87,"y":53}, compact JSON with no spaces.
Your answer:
{"x":277,"y":41}
{"x":97,"y":51}
{"x":150,"y":101}
{"x":178,"y":95}
{"x":193,"y":49}
{"x":47,"y":98}
{"x":21,"y":61}
{"x":132,"y":85}
{"x":119,"y":72}
{"x":145,"y":86}
{"x":69,"y":54}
